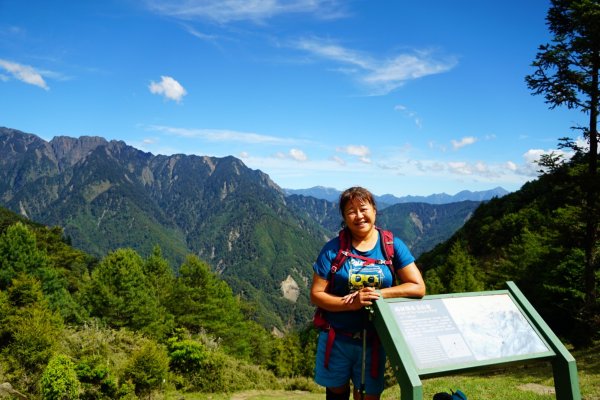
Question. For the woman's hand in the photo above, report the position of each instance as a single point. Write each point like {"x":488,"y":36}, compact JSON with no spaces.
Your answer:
{"x":361,"y":298}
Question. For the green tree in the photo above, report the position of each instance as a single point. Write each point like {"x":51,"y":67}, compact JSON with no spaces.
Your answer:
{"x":159,"y":274}
{"x":202,"y":301}
{"x":566,"y":73}
{"x":287,"y":358}
{"x":148,"y":368}
{"x":18,"y":253}
{"x":30,"y":332}
{"x":433,"y":282}
{"x":462,"y":270}
{"x":59,"y":380}
{"x":120,"y":295}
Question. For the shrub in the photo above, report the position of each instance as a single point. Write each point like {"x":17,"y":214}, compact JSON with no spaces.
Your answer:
{"x":148,"y":368}
{"x":59,"y":380}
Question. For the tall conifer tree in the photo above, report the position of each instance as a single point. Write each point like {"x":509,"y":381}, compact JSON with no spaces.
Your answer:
{"x":566,"y":73}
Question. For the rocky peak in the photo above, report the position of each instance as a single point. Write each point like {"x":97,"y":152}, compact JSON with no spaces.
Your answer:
{"x":70,"y":150}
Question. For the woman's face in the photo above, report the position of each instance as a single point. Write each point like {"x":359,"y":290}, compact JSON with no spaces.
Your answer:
{"x":359,"y":217}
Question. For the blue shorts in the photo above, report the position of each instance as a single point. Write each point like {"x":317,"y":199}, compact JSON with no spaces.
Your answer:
{"x":345,"y":364}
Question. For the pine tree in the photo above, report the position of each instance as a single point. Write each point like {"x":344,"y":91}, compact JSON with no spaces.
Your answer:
{"x":462,"y":270}
{"x":19,"y":253}
{"x":567,"y":74}
{"x":121,"y":296}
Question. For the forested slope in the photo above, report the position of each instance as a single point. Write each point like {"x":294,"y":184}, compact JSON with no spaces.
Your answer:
{"x":533,"y":237}
{"x":123,"y":324}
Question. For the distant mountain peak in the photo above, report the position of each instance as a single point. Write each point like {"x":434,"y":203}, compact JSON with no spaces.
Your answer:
{"x":71,"y":150}
{"x":331,"y":194}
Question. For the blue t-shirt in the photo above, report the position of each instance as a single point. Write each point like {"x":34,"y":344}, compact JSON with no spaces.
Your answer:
{"x":354,"y":275}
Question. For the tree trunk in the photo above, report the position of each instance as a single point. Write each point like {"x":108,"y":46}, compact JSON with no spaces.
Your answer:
{"x":592,"y":194}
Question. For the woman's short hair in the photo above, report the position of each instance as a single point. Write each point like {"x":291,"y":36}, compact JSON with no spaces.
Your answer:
{"x":356,"y":193}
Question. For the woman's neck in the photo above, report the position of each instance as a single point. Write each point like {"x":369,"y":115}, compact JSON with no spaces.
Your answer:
{"x":366,"y":242}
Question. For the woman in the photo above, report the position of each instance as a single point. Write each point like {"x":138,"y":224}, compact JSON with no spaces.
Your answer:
{"x":355,"y":286}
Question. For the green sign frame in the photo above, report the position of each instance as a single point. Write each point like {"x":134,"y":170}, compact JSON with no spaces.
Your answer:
{"x":409,"y":369}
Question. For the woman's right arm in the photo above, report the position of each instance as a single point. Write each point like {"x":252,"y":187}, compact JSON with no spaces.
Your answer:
{"x":327,"y":301}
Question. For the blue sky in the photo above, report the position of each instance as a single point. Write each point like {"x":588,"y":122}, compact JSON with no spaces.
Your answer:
{"x":402,"y":97}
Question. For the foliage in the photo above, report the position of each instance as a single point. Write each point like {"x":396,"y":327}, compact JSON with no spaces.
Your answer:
{"x":200,"y":301}
{"x":148,"y":368}
{"x":19,"y":253}
{"x":568,"y":74}
{"x":534,"y":237}
{"x":294,"y":354}
{"x":186,"y":355}
{"x":462,"y":271}
{"x":29,"y":331}
{"x":59,"y":380}
{"x":120,"y":295}
{"x":100,"y":356}
{"x":116,"y":350}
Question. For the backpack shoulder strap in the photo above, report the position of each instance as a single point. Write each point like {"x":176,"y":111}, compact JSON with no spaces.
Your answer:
{"x":387,"y":243}
{"x":387,"y":246}
{"x":342,"y":254}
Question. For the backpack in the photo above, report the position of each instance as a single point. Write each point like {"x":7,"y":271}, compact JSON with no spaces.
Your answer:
{"x":345,"y":251}
{"x":458,"y":395}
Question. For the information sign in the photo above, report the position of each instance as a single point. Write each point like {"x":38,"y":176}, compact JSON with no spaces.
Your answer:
{"x":444,"y":334}
{"x":459,"y":330}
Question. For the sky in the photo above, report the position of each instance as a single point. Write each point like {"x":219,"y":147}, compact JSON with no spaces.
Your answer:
{"x":401,"y":97}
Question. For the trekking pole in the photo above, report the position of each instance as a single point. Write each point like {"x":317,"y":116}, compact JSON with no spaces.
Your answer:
{"x":364,"y":364}
{"x":363,"y":367}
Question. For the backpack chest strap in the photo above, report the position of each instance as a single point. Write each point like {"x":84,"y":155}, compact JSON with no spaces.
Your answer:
{"x":367,"y":260}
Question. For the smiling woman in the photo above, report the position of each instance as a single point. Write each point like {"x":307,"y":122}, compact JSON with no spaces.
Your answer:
{"x":344,"y":288}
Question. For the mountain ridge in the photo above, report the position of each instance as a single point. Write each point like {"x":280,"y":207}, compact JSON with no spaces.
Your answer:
{"x":108,"y":195}
{"x":331,"y":194}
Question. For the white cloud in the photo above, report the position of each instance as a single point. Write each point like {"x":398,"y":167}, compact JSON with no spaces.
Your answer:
{"x":298,"y":155}
{"x":410,"y":114}
{"x":24,"y":73}
{"x":457,"y":144}
{"x":381,"y":76}
{"x":532,"y":156}
{"x":169,"y":88}
{"x":360,"y":151}
{"x":460,"y":167}
{"x":355,"y":150}
{"x":338,"y":160}
{"x":226,"y":11}
{"x":224,"y":135}
{"x":200,"y":35}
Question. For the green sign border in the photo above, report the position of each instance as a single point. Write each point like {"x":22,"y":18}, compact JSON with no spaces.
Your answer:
{"x":564,"y":368}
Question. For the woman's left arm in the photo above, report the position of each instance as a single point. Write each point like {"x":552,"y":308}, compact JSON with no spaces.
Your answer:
{"x":412,"y":284}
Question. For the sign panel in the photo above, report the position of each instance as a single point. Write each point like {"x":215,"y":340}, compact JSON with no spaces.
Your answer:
{"x":458,"y":330}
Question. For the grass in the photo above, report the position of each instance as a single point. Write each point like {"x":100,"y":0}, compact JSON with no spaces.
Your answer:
{"x":524,"y":382}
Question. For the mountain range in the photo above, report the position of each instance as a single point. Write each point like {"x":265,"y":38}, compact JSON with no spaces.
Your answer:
{"x":108,"y":195}
{"x":331,"y":194}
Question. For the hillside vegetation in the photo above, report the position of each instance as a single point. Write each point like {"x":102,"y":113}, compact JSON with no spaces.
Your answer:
{"x":533,"y":237}
{"x":124,"y":326}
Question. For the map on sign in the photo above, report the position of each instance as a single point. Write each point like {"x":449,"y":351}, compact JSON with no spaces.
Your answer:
{"x":456,"y":330}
